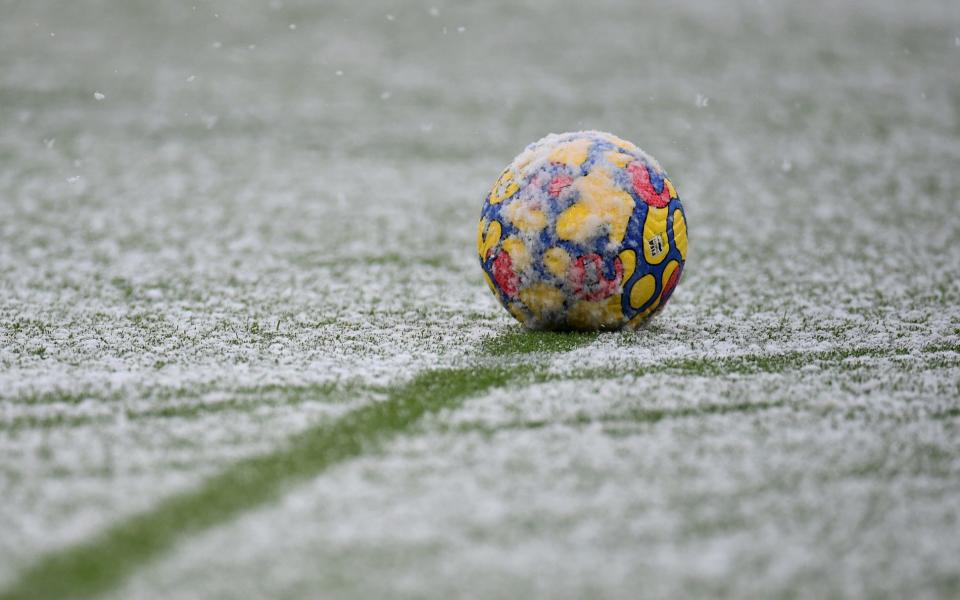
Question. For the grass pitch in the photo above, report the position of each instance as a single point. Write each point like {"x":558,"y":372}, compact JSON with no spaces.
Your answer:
{"x":245,"y":348}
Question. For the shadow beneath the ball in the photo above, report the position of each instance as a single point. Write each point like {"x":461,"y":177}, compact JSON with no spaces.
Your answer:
{"x":525,"y":341}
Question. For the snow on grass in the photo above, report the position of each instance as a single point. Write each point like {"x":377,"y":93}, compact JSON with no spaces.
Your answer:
{"x":193,"y":273}
{"x":570,"y":489}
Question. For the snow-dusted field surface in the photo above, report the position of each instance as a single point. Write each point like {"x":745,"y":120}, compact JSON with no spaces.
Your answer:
{"x":246,"y":349}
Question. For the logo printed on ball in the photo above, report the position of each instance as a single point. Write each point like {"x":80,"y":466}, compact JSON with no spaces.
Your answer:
{"x":656,"y":246}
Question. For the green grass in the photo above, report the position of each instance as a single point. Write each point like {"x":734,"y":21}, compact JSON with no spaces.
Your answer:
{"x":521,"y":341}
{"x":101,"y":563}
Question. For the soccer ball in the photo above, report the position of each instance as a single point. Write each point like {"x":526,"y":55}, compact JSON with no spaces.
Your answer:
{"x":582,"y":231}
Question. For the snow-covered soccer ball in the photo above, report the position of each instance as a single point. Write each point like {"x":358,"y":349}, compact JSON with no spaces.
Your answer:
{"x":582,"y":231}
